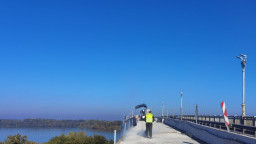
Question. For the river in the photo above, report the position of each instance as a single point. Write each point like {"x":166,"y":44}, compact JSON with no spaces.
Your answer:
{"x":42,"y":135}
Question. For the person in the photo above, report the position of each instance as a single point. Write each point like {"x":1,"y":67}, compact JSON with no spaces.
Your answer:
{"x":143,"y":115}
{"x":149,"y":120}
{"x":134,"y":121}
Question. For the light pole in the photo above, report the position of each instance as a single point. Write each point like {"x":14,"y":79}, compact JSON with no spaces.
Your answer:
{"x":132,"y":112}
{"x":243,"y":59}
{"x":181,"y":94}
{"x":162,"y":109}
{"x":196,"y":113}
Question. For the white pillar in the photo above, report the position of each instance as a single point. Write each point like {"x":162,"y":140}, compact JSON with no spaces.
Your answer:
{"x":114,"y":136}
{"x":243,"y":104}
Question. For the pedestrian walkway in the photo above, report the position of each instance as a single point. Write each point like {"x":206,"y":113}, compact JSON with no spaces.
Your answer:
{"x":162,"y":134}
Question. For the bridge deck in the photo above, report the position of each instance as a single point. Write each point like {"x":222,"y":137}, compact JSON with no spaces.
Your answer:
{"x":162,"y":134}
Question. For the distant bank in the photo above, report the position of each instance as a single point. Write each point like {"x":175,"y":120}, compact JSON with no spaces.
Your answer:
{"x":99,"y":125}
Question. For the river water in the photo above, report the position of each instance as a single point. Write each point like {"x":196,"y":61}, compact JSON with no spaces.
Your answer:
{"x":42,"y":135}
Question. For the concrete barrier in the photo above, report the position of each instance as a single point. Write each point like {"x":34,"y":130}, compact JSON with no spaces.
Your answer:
{"x":209,"y":134}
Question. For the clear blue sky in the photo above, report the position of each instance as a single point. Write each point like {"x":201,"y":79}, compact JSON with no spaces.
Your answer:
{"x":98,"y":59}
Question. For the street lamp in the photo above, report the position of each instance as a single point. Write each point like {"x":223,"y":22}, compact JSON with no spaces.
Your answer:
{"x":181,"y":94}
{"x":162,"y":109}
{"x":196,"y":113}
{"x":243,"y":59}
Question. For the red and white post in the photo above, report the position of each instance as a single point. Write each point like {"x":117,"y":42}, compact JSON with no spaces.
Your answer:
{"x":225,"y":114}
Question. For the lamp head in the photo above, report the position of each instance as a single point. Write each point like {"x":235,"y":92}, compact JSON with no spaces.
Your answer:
{"x":245,"y":56}
{"x":239,"y":57}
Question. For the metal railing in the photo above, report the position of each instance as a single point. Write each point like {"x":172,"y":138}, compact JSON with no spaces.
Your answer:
{"x":127,"y":124}
{"x":238,"y":124}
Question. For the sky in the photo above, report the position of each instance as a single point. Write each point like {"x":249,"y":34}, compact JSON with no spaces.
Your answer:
{"x":78,"y":59}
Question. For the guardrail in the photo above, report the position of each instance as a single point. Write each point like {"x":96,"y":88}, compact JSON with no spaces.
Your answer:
{"x":208,"y":134}
{"x":238,"y":124}
{"x":127,"y":123}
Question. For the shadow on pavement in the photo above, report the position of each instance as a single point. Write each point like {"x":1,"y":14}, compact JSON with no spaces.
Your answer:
{"x":141,"y":133}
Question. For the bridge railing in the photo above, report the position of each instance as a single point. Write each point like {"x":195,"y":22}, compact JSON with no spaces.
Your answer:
{"x":127,"y":123}
{"x":246,"y":121}
{"x":238,"y":124}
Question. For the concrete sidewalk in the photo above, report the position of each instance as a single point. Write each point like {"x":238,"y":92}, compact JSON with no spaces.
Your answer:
{"x":162,"y":134}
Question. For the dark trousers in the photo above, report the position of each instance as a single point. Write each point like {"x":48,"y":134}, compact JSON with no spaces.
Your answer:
{"x":149,"y":129}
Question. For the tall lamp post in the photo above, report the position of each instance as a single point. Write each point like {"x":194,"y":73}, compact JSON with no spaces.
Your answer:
{"x":181,"y":94}
{"x":243,"y":59}
{"x":162,"y":109}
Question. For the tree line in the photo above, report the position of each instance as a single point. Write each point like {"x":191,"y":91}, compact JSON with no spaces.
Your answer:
{"x":51,"y":123}
{"x":71,"y":138}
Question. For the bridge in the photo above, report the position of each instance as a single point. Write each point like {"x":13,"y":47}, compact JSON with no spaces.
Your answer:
{"x":191,"y":129}
{"x":162,"y":134}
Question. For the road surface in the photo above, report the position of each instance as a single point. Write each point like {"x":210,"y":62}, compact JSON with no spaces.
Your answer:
{"x":162,"y":134}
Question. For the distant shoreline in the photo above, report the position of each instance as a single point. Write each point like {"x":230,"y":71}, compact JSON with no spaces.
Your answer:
{"x":100,"y":125}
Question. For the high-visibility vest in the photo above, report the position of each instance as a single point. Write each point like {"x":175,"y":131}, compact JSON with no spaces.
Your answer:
{"x":149,"y":118}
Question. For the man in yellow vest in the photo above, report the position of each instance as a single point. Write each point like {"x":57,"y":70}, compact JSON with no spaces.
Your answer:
{"x":149,"y":120}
